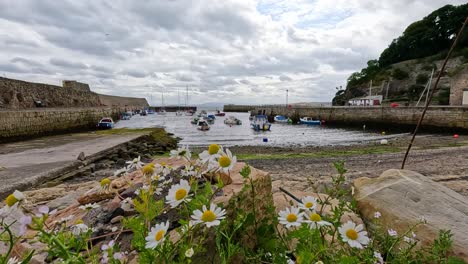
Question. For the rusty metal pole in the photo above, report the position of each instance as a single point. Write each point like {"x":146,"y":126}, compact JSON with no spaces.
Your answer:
{"x":432,"y":92}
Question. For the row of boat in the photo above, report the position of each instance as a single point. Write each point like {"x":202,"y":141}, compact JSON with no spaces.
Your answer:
{"x":204,"y":120}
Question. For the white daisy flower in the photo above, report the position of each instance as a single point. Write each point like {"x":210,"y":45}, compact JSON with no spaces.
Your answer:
{"x":13,"y":260}
{"x":353,"y":235}
{"x":378,"y":258}
{"x":408,"y":240}
{"x":120,"y":172}
{"x":209,"y":217}
{"x":290,"y":217}
{"x":187,"y":171}
{"x":377,"y":215}
{"x":182,"y":152}
{"x":14,"y":198}
{"x":166,"y":182}
{"x":226,"y":161}
{"x":89,"y":206}
{"x":157,"y":235}
{"x":189,"y":253}
{"x":157,"y":177}
{"x":158,"y":191}
{"x":178,"y":193}
{"x":126,"y":204}
{"x":163,"y":169}
{"x":135,"y":164}
{"x":79,"y":229}
{"x":290,"y":261}
{"x":308,"y":203}
{"x":392,"y":233}
{"x":24,"y":222}
{"x":211,"y":154}
{"x":315,"y":220}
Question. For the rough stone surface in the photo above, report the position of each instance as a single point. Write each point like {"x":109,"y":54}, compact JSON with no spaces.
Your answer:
{"x":403,"y":197}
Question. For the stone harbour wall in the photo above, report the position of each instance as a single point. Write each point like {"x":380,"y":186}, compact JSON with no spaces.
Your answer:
{"x":444,"y":118}
{"x":19,"y":124}
{"x":16,"y":94}
{"x":111,"y":100}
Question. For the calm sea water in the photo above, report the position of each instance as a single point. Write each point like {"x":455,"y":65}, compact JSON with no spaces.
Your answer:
{"x":280,"y":134}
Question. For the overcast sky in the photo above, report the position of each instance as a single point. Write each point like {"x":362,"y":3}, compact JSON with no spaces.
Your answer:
{"x":229,"y":51}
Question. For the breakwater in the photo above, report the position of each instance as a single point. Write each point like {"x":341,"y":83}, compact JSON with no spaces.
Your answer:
{"x":441,"y":118}
{"x":20,"y":124}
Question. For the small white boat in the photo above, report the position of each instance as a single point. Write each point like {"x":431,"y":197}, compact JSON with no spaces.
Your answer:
{"x":260,"y":123}
{"x":203,"y":125}
{"x":232,"y":120}
{"x":309,"y":121}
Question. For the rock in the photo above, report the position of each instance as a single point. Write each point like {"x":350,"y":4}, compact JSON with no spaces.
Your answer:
{"x":94,"y":197}
{"x":403,"y":197}
{"x":81,"y":156}
{"x":130,"y":191}
{"x":116,"y":219}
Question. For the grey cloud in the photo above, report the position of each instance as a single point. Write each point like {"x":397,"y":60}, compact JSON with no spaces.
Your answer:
{"x":246,"y":82}
{"x":67,"y":64}
{"x":285,"y":78}
{"x":135,"y":73}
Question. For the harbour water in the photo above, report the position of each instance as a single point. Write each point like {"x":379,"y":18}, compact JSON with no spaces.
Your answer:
{"x":242,"y":135}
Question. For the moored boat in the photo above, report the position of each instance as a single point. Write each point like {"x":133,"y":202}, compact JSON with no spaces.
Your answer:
{"x":219,"y":113}
{"x":126,"y":116}
{"x":105,"y":123}
{"x":309,"y":121}
{"x":232,"y":120}
{"x":203,"y":125}
{"x":282,"y":119}
{"x":195,"y":120}
{"x":260,"y":123}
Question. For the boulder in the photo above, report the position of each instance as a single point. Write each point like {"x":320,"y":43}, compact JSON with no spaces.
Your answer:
{"x":403,"y":197}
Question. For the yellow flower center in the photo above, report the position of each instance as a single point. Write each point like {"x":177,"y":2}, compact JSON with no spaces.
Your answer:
{"x":213,"y":149}
{"x":208,"y":216}
{"x":309,"y":204}
{"x":148,"y":169}
{"x":163,"y":164}
{"x":180,"y":194}
{"x":159,"y":235}
{"x":352,"y":234}
{"x":105,"y":181}
{"x":152,"y":165}
{"x":11,"y":200}
{"x":315,"y":217}
{"x":291,"y":218}
{"x":224,"y":161}
{"x":79,"y":221}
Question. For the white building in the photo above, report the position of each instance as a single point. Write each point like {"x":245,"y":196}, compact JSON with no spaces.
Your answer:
{"x":366,"y":100}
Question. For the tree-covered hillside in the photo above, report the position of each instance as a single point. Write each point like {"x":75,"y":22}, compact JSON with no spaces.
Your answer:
{"x":429,"y":36}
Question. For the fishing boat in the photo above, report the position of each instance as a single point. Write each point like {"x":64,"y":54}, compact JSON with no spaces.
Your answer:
{"x":195,"y":120}
{"x":282,"y":119}
{"x":126,"y":116}
{"x":143,"y":112}
{"x":210,"y":119}
{"x":151,"y":112}
{"x":219,"y":113}
{"x":232,"y":120}
{"x":189,"y":113}
{"x":260,"y":123}
{"x":105,"y":123}
{"x":203,"y":125}
{"x":309,"y":121}
{"x":203,"y":113}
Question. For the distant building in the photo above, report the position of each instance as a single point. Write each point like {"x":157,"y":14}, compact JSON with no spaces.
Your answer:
{"x":366,"y":101}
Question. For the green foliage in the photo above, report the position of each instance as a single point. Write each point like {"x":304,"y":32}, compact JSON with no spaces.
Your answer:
{"x":399,"y":74}
{"x":365,"y":75}
{"x":444,"y":96}
{"x":427,"y":67}
{"x":431,"y":35}
{"x":422,"y":78}
{"x":414,"y":92}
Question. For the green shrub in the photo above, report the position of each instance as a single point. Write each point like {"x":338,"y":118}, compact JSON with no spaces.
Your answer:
{"x":400,"y":74}
{"x":427,"y":67}
{"x":422,"y":78}
{"x":444,"y":96}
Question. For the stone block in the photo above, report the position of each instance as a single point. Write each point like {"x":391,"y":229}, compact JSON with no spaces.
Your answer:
{"x":403,"y":197}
